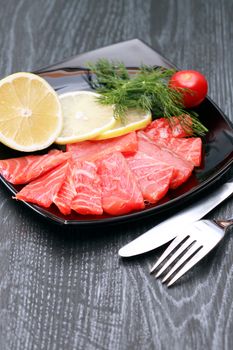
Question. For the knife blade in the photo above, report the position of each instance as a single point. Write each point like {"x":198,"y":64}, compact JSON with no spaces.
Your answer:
{"x":168,"y":229}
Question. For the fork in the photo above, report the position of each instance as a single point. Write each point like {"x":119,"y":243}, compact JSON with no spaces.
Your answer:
{"x":189,"y":247}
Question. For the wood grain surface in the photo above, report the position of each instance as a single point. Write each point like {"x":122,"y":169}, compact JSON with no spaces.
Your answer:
{"x":63,"y":288}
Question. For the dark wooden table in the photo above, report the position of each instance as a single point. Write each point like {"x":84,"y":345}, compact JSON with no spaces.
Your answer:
{"x":63,"y":288}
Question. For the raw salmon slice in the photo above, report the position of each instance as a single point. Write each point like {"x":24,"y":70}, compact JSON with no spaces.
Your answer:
{"x":120,"y":192}
{"x":174,"y":139}
{"x":88,"y":199}
{"x":92,"y":150}
{"x":67,"y":192}
{"x":163,"y":128}
{"x":182,"y":169}
{"x":189,"y":148}
{"x":153,"y":176}
{"x":25,"y":169}
{"x":43,"y":190}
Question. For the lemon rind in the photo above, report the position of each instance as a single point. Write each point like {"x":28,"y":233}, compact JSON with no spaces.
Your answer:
{"x":125,"y":129}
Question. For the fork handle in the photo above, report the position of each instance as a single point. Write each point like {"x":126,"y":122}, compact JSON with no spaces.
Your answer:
{"x":224,"y":223}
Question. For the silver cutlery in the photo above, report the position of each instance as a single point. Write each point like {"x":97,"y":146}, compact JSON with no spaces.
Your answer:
{"x":169,"y":229}
{"x":189,"y":247}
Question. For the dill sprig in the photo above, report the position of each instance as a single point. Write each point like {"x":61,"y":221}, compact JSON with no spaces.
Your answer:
{"x":147,"y":89}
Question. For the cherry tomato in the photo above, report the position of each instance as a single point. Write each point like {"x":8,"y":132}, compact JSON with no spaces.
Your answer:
{"x":194,"y":84}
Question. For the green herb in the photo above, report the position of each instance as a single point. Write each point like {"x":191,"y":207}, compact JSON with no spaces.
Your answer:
{"x":147,"y":89}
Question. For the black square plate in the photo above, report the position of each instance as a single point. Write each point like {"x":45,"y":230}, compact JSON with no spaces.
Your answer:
{"x":70,"y":75}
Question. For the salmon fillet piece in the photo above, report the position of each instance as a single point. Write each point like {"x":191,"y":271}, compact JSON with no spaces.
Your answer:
{"x":172,"y":136}
{"x":43,"y":190}
{"x":88,"y":198}
{"x":25,"y":169}
{"x":120,"y":191}
{"x":163,"y":128}
{"x":153,"y":176}
{"x":189,"y":149}
{"x":93,"y":150}
{"x":182,"y":169}
{"x":67,"y":192}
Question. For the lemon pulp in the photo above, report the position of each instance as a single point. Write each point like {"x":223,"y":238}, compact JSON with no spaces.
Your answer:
{"x":84,"y":118}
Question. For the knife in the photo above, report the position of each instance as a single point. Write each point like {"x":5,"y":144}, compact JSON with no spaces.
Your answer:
{"x":169,"y":229}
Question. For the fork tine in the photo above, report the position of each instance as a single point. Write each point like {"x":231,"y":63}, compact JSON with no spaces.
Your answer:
{"x":174,"y":256}
{"x":197,"y":257}
{"x":169,"y":249}
{"x":196,"y":249}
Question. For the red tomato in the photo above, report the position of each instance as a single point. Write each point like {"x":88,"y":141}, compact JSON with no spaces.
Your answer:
{"x":195,"y":84}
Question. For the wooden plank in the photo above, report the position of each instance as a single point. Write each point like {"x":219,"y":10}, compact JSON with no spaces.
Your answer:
{"x":65,"y":289}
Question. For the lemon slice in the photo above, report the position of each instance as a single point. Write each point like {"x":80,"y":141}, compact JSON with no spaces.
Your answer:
{"x":134,"y":119}
{"x":30,"y":112}
{"x":83,"y":117}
